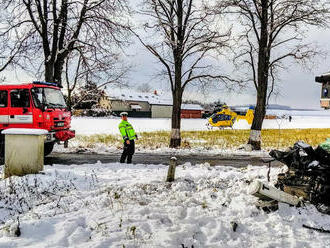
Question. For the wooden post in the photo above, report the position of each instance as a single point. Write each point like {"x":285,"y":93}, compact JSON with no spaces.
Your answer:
{"x":171,"y":170}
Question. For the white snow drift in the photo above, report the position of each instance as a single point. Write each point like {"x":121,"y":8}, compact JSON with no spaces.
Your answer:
{"x":115,"y":205}
{"x":90,"y":126}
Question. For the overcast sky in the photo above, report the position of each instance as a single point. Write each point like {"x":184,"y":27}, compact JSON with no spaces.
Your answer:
{"x":298,"y":87}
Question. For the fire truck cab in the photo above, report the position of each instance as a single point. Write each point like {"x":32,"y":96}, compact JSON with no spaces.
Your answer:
{"x":39,"y":105}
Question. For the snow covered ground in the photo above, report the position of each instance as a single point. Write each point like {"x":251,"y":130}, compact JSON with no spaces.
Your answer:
{"x":114,"y":205}
{"x":119,"y":205}
{"x":90,"y":126}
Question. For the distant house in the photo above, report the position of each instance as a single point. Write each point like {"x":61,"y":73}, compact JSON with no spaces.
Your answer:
{"x":325,"y":93}
{"x":161,"y":108}
{"x":136,"y":104}
{"x":150,"y":105}
{"x":194,"y":111}
{"x":164,"y":110}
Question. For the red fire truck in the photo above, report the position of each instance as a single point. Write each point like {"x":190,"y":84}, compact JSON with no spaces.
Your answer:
{"x":35,"y":105}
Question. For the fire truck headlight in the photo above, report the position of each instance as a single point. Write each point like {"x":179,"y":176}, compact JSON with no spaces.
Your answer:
{"x":49,"y":136}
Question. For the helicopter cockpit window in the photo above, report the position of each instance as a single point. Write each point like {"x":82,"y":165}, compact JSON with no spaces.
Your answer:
{"x":325,"y":93}
{"x":216,"y":118}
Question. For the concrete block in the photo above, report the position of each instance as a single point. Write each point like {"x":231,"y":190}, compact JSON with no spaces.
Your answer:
{"x":24,"y":152}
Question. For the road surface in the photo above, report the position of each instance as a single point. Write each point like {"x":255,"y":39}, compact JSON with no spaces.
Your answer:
{"x":154,"y":158}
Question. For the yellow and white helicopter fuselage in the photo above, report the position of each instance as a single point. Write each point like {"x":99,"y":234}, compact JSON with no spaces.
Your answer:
{"x":226,"y":118}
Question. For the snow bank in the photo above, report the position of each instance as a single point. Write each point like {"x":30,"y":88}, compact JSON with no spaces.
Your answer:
{"x":90,"y":126}
{"x":114,"y":205}
{"x":279,"y":112}
{"x":27,"y":131}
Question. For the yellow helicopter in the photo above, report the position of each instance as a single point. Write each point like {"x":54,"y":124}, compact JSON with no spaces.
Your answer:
{"x":226,"y":118}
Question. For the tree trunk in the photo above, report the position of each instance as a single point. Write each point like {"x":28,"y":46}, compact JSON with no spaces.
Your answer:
{"x":177,"y":90}
{"x":49,"y":72}
{"x":53,"y":72}
{"x":262,"y":84}
{"x":58,"y":69}
{"x":176,"y":119}
{"x":259,"y":115}
{"x":69,"y":100}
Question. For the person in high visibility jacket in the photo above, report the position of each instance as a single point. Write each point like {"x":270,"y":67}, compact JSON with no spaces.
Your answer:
{"x":129,"y":136}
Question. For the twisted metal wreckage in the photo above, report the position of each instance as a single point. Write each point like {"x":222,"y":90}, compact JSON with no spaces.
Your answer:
{"x":307,"y":178}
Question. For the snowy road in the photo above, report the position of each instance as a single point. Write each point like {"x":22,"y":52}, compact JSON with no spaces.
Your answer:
{"x":237,"y":161}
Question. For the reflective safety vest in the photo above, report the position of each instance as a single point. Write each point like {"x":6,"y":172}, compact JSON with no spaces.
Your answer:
{"x":127,"y":131}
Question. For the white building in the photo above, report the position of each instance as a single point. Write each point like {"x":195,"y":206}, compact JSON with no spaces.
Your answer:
{"x":152,"y":105}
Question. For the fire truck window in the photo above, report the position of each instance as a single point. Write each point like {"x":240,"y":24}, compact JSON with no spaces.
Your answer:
{"x":37,"y":97}
{"x":20,"y":98}
{"x":325,"y":92}
{"x":3,"y":99}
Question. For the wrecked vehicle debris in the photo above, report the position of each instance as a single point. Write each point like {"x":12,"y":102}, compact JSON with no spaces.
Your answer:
{"x":308,"y":174}
{"x":269,"y":193}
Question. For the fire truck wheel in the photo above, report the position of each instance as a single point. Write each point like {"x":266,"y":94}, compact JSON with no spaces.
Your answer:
{"x":48,"y":148}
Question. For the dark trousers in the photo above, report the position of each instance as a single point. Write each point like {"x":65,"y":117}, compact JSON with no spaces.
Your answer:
{"x":128,"y":152}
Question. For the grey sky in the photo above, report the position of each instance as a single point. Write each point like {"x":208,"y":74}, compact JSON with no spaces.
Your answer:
{"x":297,"y":85}
{"x":298,"y":88}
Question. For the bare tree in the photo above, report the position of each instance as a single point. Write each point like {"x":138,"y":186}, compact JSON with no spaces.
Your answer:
{"x":272,"y":32}
{"x":84,"y":65}
{"x":186,"y":39}
{"x":58,"y":27}
{"x":8,"y":55}
{"x":13,"y":49}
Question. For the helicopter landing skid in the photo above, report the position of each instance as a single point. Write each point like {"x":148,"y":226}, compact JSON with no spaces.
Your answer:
{"x":208,"y":126}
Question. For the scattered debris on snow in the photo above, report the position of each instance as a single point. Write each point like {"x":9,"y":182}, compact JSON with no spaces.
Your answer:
{"x":270,"y":193}
{"x":308,"y":176}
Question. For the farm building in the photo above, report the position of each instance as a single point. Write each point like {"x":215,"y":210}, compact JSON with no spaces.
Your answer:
{"x":325,"y":93}
{"x":150,"y":105}
{"x":137,"y":105}
{"x":164,"y":110}
{"x":193,"y":111}
{"x":161,"y":110}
